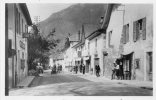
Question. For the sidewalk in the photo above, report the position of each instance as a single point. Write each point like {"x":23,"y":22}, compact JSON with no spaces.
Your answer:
{"x":26,"y":82}
{"x":136,"y":83}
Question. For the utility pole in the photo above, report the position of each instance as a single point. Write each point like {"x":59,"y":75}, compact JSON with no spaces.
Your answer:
{"x":6,"y":53}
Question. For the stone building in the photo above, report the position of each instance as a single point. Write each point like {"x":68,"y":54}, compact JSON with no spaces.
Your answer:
{"x":129,"y":37}
{"x":18,"y":22}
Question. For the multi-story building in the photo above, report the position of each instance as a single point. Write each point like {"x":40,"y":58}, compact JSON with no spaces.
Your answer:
{"x":130,"y":38}
{"x":96,"y":43}
{"x":18,"y":22}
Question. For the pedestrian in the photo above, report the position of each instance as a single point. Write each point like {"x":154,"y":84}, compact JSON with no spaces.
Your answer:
{"x":117,"y":70}
{"x":121,"y":71}
{"x":97,"y":68}
{"x":83,"y":68}
{"x":113,"y":71}
{"x":80,"y":68}
{"x":76,"y":69}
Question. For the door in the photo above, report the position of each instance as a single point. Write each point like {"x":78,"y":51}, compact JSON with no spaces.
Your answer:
{"x":96,"y":62}
{"x":149,"y":66}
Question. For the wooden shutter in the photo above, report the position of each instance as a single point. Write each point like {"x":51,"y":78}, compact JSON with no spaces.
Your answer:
{"x":137,"y":31}
{"x":127,"y":33}
{"x":124,"y":34}
{"x":144,"y":28}
{"x":134,"y":31}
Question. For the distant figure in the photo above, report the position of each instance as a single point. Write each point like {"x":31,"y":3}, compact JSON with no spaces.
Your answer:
{"x":60,"y":67}
{"x":76,"y":69}
{"x":83,"y":68}
{"x":114,"y":70}
{"x":80,"y":68}
{"x":53,"y":71}
{"x":97,"y":68}
{"x":121,"y":71}
{"x":117,"y":71}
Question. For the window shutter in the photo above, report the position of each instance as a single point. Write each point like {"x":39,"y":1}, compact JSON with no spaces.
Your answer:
{"x":134,"y":31}
{"x":137,"y":31}
{"x":124,"y":34}
{"x":144,"y":29}
{"x":127,"y":33}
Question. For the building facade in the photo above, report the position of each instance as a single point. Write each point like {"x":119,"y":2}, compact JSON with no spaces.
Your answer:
{"x":130,"y":38}
{"x":18,"y":22}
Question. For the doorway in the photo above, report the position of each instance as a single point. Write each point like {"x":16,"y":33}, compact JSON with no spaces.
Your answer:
{"x":96,"y":62}
{"x":127,"y":64}
{"x":149,"y":65}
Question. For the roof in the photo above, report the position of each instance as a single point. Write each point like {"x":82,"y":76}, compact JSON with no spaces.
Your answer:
{"x":107,"y":16}
{"x":73,"y":38}
{"x":79,"y":44}
{"x":95,"y":34}
{"x":25,"y":11}
{"x":104,"y":24}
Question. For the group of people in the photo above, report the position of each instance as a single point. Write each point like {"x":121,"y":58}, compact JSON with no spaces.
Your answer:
{"x":39,"y":68}
{"x":56,"y":69}
{"x":81,"y":67}
{"x":117,"y":70}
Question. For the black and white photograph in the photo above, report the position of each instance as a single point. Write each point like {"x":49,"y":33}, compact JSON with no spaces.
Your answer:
{"x":78,"y":49}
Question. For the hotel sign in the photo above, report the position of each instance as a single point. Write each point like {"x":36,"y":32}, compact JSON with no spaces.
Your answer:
{"x":22,"y":45}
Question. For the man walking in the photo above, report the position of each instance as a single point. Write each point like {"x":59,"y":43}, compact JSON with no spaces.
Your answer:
{"x":97,"y":68}
{"x":83,"y":68}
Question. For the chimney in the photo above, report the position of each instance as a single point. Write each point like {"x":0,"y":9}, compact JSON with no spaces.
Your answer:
{"x":83,"y":33}
{"x":79,"y":36}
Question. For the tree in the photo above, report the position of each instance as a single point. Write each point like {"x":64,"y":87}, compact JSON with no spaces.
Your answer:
{"x":39,"y":47}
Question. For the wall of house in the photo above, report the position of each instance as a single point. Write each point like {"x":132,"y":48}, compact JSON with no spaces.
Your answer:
{"x":99,"y":50}
{"x":22,"y":52}
{"x":133,"y":12}
{"x":16,"y":74}
{"x":11,"y":36}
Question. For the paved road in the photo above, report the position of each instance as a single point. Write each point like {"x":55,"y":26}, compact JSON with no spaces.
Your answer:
{"x":67,"y":84}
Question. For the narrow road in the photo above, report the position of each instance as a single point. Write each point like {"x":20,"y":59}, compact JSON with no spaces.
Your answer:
{"x":75,"y":85}
{"x":47,"y":78}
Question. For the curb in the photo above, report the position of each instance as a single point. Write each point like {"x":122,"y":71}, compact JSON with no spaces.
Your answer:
{"x":31,"y":82}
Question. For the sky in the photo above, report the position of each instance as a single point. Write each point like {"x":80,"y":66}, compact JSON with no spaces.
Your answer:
{"x":44,"y":10}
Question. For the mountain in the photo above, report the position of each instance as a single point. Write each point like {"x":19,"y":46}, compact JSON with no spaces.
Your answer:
{"x":70,"y":20}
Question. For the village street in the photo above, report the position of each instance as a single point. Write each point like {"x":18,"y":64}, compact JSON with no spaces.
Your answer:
{"x":76,"y":85}
{"x":99,"y":49}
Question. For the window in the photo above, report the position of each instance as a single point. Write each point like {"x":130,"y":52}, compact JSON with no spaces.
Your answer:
{"x":96,"y":43}
{"x":109,"y":37}
{"x":26,"y":28}
{"x":23,"y":55}
{"x":150,"y":61}
{"x":137,"y":63}
{"x":125,"y":33}
{"x":19,"y":24}
{"x":22,"y":26}
{"x":139,"y":29}
{"x":16,"y":20}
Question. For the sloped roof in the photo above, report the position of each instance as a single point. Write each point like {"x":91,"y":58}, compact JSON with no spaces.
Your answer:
{"x":25,"y":11}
